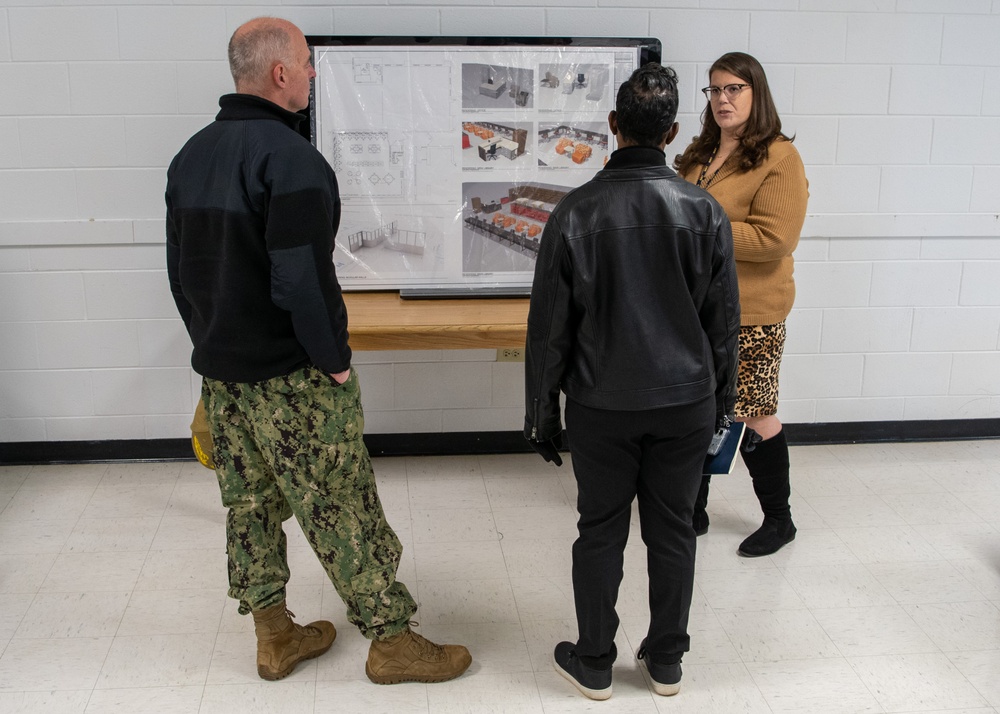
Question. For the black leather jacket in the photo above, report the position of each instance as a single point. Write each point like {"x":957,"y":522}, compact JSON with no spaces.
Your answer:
{"x":634,"y":304}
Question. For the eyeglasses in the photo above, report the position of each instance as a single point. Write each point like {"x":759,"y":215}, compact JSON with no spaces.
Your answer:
{"x":732,"y":91}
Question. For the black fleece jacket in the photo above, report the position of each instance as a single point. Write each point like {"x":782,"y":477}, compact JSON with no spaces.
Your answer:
{"x":634,"y":304}
{"x":252,"y":214}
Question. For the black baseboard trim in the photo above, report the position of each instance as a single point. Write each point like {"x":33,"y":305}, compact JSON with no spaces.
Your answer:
{"x":487,"y":442}
{"x":77,"y":452}
{"x":446,"y":444}
{"x":873,"y":432}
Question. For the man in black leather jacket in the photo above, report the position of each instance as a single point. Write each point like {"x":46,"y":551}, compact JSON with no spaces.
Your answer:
{"x":634,"y":316}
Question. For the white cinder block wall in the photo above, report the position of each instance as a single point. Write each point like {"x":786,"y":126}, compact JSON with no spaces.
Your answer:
{"x":896,"y":104}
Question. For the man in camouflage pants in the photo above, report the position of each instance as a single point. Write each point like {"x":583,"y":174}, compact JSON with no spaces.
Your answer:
{"x":252,"y":214}
{"x":294,"y":443}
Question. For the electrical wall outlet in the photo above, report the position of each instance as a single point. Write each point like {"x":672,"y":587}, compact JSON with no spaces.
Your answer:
{"x":510,"y":354}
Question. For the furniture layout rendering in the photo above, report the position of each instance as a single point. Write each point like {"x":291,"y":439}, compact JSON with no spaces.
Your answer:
{"x":516,"y":220}
{"x":495,"y":139}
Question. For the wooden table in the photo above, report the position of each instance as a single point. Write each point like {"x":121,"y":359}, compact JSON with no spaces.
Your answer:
{"x":384,"y":321}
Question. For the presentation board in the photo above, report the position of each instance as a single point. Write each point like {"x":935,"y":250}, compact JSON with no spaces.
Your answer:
{"x":450,"y":153}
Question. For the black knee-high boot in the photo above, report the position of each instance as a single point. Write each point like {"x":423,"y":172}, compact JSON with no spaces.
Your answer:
{"x":768,"y":466}
{"x":700,"y":518}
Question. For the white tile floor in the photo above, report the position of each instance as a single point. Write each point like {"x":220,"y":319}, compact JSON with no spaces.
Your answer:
{"x":112,"y":591}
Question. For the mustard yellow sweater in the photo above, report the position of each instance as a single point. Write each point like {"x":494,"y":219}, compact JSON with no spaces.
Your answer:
{"x":767,"y":207}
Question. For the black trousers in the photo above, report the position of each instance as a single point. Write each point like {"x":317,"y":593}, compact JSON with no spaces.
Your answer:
{"x":657,"y":456}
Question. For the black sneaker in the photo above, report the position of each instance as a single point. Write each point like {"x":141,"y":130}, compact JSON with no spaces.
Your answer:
{"x":592,"y":683}
{"x":666,"y":678}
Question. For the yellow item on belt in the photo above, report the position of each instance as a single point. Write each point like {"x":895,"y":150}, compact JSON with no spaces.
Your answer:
{"x":201,"y":437}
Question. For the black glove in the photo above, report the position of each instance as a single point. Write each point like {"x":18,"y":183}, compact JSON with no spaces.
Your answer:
{"x":750,"y":440}
{"x":548,"y":449}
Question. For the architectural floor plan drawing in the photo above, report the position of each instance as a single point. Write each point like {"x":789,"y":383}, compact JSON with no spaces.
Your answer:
{"x":450,"y":159}
{"x":367,"y":71}
{"x":366,"y":165}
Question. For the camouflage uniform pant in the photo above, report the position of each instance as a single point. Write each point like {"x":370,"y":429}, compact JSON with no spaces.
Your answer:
{"x":294,"y":443}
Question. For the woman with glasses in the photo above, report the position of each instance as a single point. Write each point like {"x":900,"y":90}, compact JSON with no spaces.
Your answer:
{"x":751,"y":168}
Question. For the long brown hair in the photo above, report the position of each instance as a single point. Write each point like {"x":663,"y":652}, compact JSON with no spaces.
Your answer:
{"x":762,"y":127}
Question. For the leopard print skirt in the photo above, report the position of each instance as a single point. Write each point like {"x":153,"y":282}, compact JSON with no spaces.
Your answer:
{"x":761,"y":347}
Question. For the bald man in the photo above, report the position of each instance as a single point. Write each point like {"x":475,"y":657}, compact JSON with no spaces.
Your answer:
{"x":252,"y":214}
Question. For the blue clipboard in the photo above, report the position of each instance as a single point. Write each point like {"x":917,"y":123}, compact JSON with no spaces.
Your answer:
{"x":725,"y":460}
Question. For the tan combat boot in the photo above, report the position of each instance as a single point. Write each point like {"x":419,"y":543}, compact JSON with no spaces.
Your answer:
{"x":282,"y":644}
{"x":409,"y":657}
